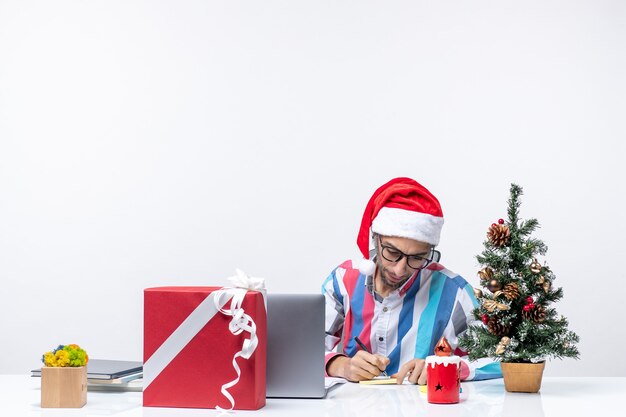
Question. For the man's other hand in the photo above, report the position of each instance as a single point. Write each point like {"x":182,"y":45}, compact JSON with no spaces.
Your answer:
{"x":416,"y":371}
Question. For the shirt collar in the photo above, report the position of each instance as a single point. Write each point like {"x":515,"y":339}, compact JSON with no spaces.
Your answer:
{"x":407,"y":285}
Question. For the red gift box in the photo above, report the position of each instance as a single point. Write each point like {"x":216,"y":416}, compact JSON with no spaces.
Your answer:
{"x":189,"y":349}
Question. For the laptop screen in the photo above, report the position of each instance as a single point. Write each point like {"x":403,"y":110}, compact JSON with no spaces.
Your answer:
{"x":295,"y":346}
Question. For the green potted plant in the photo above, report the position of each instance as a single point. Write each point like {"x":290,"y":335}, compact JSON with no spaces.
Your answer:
{"x":519,"y":326}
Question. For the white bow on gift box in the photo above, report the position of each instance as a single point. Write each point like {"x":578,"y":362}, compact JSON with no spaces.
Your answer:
{"x":240,"y":320}
{"x":200,"y":316}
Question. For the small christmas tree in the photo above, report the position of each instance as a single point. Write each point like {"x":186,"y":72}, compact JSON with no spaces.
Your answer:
{"x":519,"y":324}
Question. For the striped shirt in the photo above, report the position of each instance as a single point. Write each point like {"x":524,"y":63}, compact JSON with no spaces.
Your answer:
{"x":405,"y":325}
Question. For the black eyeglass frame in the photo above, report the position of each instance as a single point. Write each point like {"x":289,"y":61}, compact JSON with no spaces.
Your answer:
{"x":433,"y":256}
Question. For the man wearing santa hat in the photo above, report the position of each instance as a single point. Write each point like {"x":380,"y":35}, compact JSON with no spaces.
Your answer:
{"x":388,"y":310}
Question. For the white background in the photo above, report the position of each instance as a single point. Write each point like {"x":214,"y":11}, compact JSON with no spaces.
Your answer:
{"x":148,"y":143}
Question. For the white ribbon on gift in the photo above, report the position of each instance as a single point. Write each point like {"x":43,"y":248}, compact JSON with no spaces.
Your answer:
{"x":242,"y":280}
{"x":198,"y":318}
{"x":241,"y":322}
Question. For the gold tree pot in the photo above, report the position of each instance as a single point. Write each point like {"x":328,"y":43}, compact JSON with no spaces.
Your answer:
{"x":522,"y":377}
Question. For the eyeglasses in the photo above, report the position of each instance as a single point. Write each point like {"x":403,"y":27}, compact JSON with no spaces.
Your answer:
{"x":392,"y":254}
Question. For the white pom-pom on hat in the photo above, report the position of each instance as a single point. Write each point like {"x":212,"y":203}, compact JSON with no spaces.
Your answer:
{"x":367,"y":267}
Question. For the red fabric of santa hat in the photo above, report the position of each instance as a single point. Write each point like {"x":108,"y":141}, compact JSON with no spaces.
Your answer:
{"x":400,"y":208}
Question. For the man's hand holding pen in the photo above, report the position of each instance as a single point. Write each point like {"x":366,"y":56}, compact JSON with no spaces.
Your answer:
{"x":363,"y":366}
{"x":366,"y":365}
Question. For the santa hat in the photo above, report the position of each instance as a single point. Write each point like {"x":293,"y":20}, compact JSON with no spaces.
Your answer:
{"x":401,"y":208}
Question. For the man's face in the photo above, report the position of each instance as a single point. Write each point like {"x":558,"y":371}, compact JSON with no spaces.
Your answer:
{"x":394,"y":274}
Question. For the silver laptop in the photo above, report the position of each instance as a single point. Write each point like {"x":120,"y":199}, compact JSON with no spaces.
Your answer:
{"x":295,"y":346}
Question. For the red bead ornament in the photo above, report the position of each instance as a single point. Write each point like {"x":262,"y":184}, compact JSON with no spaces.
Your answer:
{"x":501,"y":221}
{"x":529,"y":300}
{"x":485,"y":318}
{"x":528,"y":307}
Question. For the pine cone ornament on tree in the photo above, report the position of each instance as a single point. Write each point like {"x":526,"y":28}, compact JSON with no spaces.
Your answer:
{"x":539,"y":314}
{"x":496,"y":327}
{"x":534,"y":312}
{"x":511,"y":291}
{"x":498,"y":235}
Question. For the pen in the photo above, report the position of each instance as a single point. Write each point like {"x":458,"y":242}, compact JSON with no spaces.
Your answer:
{"x":358,"y":342}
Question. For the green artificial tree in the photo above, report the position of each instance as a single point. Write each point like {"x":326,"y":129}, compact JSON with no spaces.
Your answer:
{"x":518,"y":323}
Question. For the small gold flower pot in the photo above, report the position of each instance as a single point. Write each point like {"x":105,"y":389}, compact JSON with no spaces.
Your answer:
{"x":63,"y":387}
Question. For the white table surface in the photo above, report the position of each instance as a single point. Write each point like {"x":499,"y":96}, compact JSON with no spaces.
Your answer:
{"x":584,"y":396}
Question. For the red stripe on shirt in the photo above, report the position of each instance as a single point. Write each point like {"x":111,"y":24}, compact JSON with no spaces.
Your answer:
{"x":350,"y":280}
{"x":368,"y":315}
